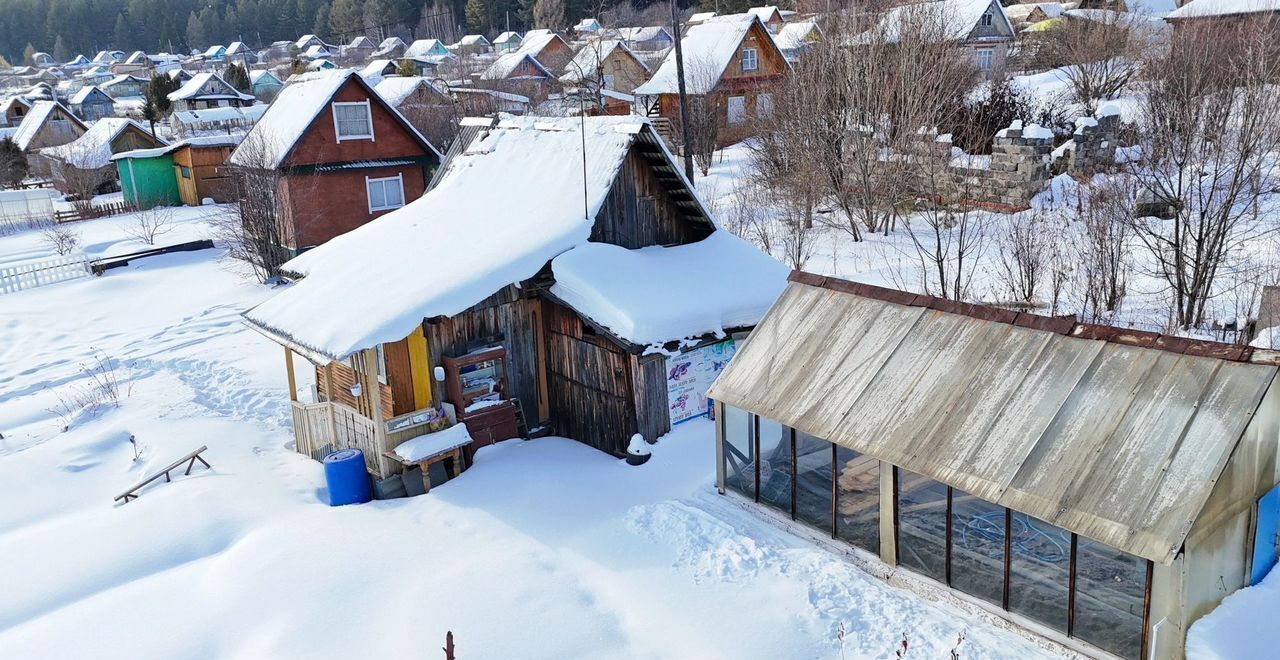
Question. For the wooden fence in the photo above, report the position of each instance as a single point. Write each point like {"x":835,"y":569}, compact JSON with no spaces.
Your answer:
{"x":321,"y":428}
{"x":87,"y":211}
{"x":31,"y":274}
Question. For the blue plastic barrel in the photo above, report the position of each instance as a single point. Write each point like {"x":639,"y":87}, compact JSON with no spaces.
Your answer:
{"x":347,"y":479}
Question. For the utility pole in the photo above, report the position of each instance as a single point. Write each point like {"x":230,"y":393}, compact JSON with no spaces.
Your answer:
{"x":684,"y":98}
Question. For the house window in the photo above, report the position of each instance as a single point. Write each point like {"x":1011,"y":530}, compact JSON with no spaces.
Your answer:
{"x":737,"y":109}
{"x":985,"y":57}
{"x":987,"y":18}
{"x":385,"y":194}
{"x":764,"y":105}
{"x":353,"y":121}
{"x":750,"y":59}
{"x":186,"y":172}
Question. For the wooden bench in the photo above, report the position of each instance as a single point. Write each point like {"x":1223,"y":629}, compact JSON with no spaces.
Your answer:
{"x":189,"y":459}
{"x":457,"y":454}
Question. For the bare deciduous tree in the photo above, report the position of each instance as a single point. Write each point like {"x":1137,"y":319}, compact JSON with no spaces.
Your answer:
{"x":60,"y":238}
{"x":150,"y":223}
{"x":1106,"y":213}
{"x":1023,"y":260}
{"x":253,"y":232}
{"x":1209,"y":129}
{"x":1098,"y":56}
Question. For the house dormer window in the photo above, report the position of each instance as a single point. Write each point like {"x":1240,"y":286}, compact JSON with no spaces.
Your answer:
{"x":353,"y":121}
{"x":987,"y":19}
{"x":750,"y":59}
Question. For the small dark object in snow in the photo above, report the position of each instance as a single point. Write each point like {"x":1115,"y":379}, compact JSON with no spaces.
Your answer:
{"x":638,"y":452}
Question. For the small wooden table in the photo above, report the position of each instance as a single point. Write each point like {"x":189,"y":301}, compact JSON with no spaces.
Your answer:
{"x":454,"y":449}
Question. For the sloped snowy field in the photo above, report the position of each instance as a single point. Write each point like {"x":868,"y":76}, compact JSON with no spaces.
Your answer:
{"x":545,"y":549}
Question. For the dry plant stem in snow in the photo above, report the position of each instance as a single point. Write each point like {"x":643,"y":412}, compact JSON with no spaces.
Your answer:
{"x":102,"y":390}
{"x":150,"y":223}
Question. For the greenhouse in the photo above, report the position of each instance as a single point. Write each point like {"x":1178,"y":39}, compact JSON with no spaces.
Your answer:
{"x":1098,"y":487}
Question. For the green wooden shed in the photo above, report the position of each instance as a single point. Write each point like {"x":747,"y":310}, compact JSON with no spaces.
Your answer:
{"x":146,"y":177}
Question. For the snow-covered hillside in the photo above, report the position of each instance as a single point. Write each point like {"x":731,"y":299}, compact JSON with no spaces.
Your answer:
{"x":545,"y":549}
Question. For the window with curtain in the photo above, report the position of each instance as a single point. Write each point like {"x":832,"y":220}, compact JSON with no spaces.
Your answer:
{"x":858,"y":503}
{"x":352,"y":121}
{"x":385,"y":194}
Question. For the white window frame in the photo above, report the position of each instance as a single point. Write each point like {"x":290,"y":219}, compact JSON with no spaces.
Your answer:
{"x":754,"y":59}
{"x":728,"y":111}
{"x":986,"y":59}
{"x":399,"y":178}
{"x":988,"y":19}
{"x":368,"y":117}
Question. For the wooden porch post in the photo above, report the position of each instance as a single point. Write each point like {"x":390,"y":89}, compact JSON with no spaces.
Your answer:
{"x":288,"y":367}
{"x":373,"y":395}
{"x":888,"y":516}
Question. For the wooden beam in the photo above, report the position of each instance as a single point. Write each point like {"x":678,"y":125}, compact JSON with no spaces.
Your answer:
{"x":288,"y":367}
{"x":420,"y":369}
{"x":372,"y":391}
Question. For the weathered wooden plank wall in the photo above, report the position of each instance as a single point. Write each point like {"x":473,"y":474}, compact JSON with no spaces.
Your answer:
{"x":504,"y":318}
{"x":343,"y":379}
{"x":653,"y":410}
{"x":588,"y":382}
{"x":638,"y":212}
{"x":399,"y":376}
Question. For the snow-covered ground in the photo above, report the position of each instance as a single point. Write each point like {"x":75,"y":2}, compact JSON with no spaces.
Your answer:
{"x":544,"y":549}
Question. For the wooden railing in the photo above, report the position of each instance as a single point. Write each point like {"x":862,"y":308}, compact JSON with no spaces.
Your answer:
{"x":321,"y":428}
{"x":30,"y":274}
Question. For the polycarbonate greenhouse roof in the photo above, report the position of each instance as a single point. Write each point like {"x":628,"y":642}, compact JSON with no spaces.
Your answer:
{"x":1117,"y":436}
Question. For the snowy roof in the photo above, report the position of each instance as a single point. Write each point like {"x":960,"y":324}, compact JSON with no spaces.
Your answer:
{"x":78,"y":60}
{"x":537,"y":40}
{"x":227,"y":113}
{"x":504,"y":66}
{"x":194,"y":88}
{"x":956,"y":19}
{"x":396,"y":89}
{"x":710,"y":45}
{"x":1021,"y":12}
{"x":650,"y":33}
{"x":506,"y":37}
{"x":764,"y":13}
{"x":794,"y":35}
{"x":473,"y":40}
{"x":84,"y":93}
{"x":592,"y":55}
{"x":658,"y":294}
{"x":1208,"y":8}
{"x":122,"y":79}
{"x":202,"y":141}
{"x":316,"y":52}
{"x":6,"y":104}
{"x":540,"y":214}
{"x":214,"y":51}
{"x":35,"y":119}
{"x":361,"y":42}
{"x":93,"y":149}
{"x":425,"y":47}
{"x":257,"y":75}
{"x":292,"y":113}
{"x":306,"y":39}
{"x":701,"y":16}
{"x":375,"y":68}
{"x":587,"y":25}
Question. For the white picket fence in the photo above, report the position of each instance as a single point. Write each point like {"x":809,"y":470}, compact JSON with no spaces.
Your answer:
{"x":31,"y":274}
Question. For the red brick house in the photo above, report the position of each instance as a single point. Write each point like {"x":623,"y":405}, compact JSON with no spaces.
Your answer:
{"x":344,"y":156}
{"x":732,"y":61}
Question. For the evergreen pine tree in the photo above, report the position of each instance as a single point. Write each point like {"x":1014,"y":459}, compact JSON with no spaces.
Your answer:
{"x":195,"y":32}
{"x":60,"y":50}
{"x":120,"y":37}
{"x":29,"y":54}
{"x":477,"y":16}
{"x":237,"y":77}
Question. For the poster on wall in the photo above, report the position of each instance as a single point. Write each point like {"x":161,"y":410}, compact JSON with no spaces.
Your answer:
{"x":690,"y":374}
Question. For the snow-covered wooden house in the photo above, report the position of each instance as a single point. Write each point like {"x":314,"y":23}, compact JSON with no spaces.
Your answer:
{"x":769,"y":16}
{"x":91,"y":103}
{"x":472,"y":44}
{"x":264,"y":84}
{"x":980,"y":25}
{"x":124,"y":86}
{"x":47,"y":124}
{"x":732,"y":60}
{"x":390,"y":49}
{"x":13,"y":110}
{"x":208,"y":90}
{"x":793,"y":39}
{"x":591,"y":299}
{"x":648,"y":39}
{"x":344,"y":155}
{"x":606,"y":64}
{"x":506,"y":42}
{"x":84,"y":164}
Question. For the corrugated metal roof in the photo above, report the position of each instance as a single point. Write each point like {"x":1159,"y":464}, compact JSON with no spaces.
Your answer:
{"x":1118,"y":443}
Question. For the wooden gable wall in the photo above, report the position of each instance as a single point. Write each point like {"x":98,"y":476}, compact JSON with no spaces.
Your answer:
{"x":319,"y":144}
{"x":772,"y":62}
{"x":638,"y":211}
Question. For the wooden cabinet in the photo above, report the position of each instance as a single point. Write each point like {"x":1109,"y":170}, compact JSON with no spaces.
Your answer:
{"x":476,"y":384}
